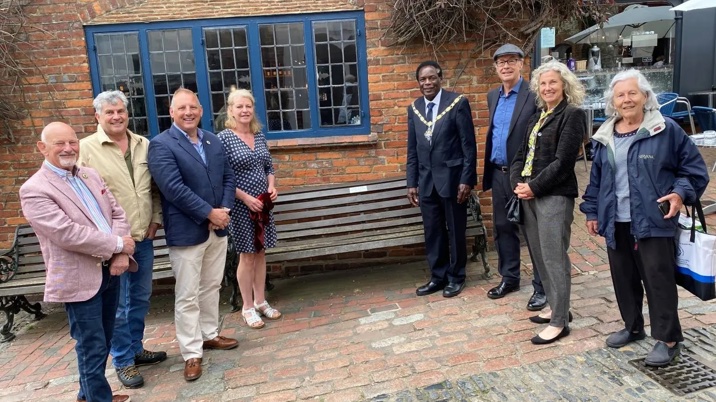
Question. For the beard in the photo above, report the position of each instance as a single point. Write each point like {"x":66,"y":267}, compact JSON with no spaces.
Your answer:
{"x":68,"y":161}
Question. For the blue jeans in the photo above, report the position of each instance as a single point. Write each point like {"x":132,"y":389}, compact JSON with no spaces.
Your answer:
{"x":91,"y":326}
{"x":134,"y":294}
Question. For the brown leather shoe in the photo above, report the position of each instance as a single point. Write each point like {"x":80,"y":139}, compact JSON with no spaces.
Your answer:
{"x":115,"y":398}
{"x":192,"y":369}
{"x":221,"y":343}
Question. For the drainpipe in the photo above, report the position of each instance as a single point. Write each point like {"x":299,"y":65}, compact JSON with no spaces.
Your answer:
{"x":678,"y":35}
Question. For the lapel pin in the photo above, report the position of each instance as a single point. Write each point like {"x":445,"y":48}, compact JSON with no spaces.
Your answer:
{"x":208,"y":142}
{"x":84,"y":175}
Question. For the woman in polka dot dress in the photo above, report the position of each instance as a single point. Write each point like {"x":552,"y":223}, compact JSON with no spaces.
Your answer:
{"x":248,"y":154}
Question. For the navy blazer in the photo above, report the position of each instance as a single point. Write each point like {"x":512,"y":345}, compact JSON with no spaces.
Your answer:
{"x":189,"y":188}
{"x":525,"y":107}
{"x":450,"y":159}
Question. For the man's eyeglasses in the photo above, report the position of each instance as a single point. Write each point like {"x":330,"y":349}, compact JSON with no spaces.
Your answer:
{"x":510,"y":62}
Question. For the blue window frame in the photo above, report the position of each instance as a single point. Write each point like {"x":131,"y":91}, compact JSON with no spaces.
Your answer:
{"x":308,"y":72}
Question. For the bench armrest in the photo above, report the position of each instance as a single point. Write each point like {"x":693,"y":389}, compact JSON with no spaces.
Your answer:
{"x":8,"y":267}
{"x":473,"y":207}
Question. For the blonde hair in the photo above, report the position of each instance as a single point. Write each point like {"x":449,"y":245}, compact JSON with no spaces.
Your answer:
{"x":573,"y":89}
{"x":255,"y":125}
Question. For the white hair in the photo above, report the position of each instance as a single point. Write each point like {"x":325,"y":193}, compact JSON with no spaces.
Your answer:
{"x":641,"y":82}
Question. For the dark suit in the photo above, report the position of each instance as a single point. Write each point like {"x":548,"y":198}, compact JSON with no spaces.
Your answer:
{"x":505,"y":232}
{"x":437,"y":168}
{"x":190,"y":189}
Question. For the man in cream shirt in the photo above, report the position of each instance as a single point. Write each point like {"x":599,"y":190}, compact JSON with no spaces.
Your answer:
{"x":120,"y":157}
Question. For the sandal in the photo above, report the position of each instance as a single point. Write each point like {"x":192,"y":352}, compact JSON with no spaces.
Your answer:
{"x":252,"y":319}
{"x":267,"y":311}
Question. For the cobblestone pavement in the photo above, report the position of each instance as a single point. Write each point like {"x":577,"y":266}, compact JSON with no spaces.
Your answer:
{"x":364,"y":335}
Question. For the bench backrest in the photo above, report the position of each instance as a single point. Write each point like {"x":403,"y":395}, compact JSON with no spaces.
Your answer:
{"x":351,"y":208}
{"x":28,"y":254}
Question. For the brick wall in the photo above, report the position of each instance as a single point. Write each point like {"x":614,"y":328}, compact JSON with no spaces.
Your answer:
{"x":59,"y":88}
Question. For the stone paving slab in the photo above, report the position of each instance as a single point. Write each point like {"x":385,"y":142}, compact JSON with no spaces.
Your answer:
{"x":363,"y":334}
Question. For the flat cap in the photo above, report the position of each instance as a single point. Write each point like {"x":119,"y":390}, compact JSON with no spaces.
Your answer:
{"x":508,"y":48}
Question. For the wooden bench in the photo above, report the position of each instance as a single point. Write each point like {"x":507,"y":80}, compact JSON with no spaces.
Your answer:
{"x":337,"y":219}
{"x":22,"y":273}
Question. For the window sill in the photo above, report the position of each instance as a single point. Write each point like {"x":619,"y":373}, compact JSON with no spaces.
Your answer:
{"x":320,"y":142}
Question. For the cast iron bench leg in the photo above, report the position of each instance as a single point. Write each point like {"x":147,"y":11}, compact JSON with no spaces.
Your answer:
{"x":11,"y":305}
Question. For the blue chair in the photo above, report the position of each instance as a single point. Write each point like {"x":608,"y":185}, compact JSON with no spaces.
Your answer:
{"x":667,"y":106}
{"x":667,"y":102}
{"x":705,"y":117}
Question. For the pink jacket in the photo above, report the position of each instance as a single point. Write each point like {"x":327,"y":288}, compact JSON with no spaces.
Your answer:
{"x":73,"y":248}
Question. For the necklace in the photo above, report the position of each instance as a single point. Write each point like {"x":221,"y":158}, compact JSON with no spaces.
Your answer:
{"x":431,"y":124}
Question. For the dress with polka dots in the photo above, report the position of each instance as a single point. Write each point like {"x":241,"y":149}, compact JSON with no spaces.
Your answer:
{"x":251,"y":168}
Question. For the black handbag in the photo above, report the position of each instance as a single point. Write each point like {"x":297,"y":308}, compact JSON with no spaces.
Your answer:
{"x":514,"y":210}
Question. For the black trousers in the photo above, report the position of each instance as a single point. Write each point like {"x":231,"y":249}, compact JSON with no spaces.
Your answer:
{"x":445,"y":223}
{"x":507,"y":240}
{"x":652,"y":262}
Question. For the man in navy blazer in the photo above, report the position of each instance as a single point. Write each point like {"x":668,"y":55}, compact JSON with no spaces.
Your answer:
{"x":197,"y":189}
{"x":440,"y":176}
{"x":511,"y":105}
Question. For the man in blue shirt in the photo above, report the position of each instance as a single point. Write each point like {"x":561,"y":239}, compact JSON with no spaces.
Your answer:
{"x":511,"y":105}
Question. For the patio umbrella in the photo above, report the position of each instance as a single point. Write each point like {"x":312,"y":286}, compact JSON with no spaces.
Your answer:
{"x":635,"y":18}
{"x":695,"y":5}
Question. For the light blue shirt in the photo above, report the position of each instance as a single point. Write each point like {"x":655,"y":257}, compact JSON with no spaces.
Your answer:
{"x":87,"y":199}
{"x":501,"y":124}
{"x":436,"y":101}
{"x":199,"y":146}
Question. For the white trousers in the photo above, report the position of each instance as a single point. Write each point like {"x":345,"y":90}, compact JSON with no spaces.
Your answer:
{"x":198,"y":271}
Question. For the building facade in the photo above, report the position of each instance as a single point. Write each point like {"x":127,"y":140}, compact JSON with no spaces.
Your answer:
{"x":331,"y":91}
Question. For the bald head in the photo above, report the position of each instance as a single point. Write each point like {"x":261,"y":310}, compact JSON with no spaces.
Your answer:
{"x":59,"y":144}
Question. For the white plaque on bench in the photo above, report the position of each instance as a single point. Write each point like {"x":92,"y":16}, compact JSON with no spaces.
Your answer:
{"x":358,"y":189}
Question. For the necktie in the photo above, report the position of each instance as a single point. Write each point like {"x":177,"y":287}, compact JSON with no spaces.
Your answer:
{"x":429,"y":115}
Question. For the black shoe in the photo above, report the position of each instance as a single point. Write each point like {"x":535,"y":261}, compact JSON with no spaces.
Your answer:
{"x":146,"y":358}
{"x":502,"y":290}
{"x":538,"y":340}
{"x":130,"y":377}
{"x":430,"y":288}
{"x":539,"y":320}
{"x":623,"y":337}
{"x":537,"y":302}
{"x":453,"y":289}
{"x":662,"y":355}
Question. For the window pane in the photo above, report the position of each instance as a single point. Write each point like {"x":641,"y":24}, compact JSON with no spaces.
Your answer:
{"x":283,"y":59}
{"x":337,"y":72}
{"x":120,"y":69}
{"x":228,"y":68}
{"x":171,"y":69}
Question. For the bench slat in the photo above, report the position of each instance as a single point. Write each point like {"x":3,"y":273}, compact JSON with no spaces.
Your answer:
{"x":344,"y":220}
{"x":340,"y":189}
{"x":286,"y":235}
{"x":338,"y":201}
{"x":342,"y":210}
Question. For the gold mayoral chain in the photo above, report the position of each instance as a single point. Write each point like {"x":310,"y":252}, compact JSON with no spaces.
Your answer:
{"x":431,"y":124}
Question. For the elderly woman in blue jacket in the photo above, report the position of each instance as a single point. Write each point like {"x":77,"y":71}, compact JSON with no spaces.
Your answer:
{"x":641,"y":160}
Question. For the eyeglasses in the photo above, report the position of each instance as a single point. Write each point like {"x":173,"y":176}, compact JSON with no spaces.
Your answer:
{"x":510,"y":62}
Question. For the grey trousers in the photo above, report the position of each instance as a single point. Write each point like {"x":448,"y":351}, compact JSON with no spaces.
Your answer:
{"x":547,"y":226}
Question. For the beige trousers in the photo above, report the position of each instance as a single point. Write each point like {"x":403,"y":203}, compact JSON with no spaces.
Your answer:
{"x":198,"y":271}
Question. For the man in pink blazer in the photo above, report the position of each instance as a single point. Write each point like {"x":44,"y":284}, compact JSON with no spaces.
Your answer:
{"x":86,"y":243}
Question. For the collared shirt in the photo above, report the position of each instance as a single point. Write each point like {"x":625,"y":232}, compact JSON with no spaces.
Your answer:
{"x":436,"y":101}
{"x":501,"y":124}
{"x":199,"y":145}
{"x":136,"y":196}
{"x":87,"y":198}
